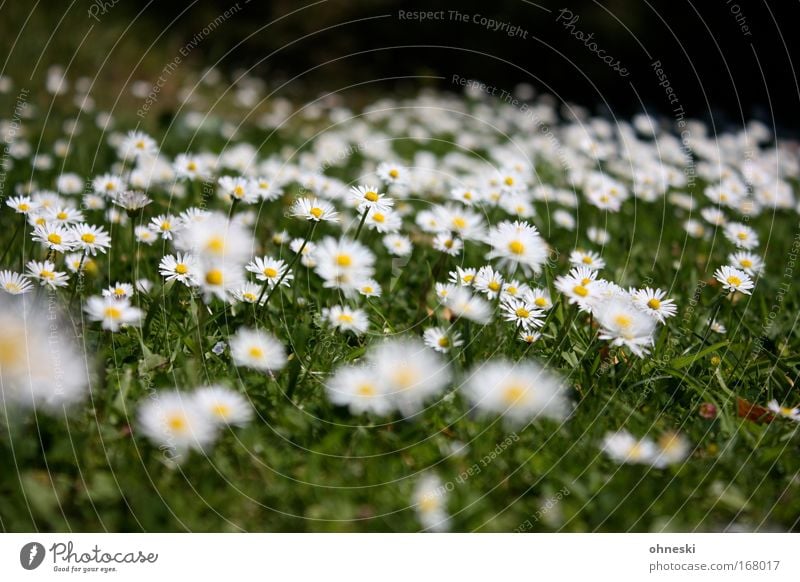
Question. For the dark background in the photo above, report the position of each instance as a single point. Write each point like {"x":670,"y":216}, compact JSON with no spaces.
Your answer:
{"x":713,"y":67}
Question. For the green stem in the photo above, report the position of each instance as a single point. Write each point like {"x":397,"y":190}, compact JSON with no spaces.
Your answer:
{"x":288,"y":268}
{"x":11,"y":242}
{"x":78,"y":277}
{"x":361,"y":224}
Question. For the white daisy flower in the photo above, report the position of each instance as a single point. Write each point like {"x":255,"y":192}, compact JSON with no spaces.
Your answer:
{"x":223,"y":406}
{"x":237,"y":188}
{"x":441,"y":340}
{"x":108,"y":185}
{"x":257,"y":350}
{"x":391,"y":173}
{"x":741,"y":235}
{"x":540,"y":298}
{"x":63,"y":215}
{"x":182,"y":267}
{"x":623,"y":447}
{"x":588,"y":259}
{"x":517,"y":244}
{"x":672,"y":448}
{"x":448,"y":244}
{"x":248,"y":293}
{"x":369,"y":197}
{"x":397,"y":244}
{"x":361,"y":389}
{"x":430,"y":500}
{"x":55,"y":237}
{"x":464,"y":304}
{"x":521,"y":313}
{"x":131,"y":200}
{"x":385,"y":222}
{"x":734,"y":280}
{"x":22,"y":204}
{"x":792,"y":413}
{"x":463,"y":277}
{"x":174,"y":422}
{"x":45,"y":272}
{"x":112,"y":313}
{"x":90,"y":239}
{"x":271,"y":270}
{"x":750,"y":263}
{"x":521,"y":392}
{"x":344,"y":318}
{"x":623,"y":324}
{"x":652,"y":301}
{"x":138,"y":144}
{"x":314,"y":209}
{"x":369,"y":288}
{"x":145,"y":235}
{"x":488,"y":281}
{"x":165,"y":225}
{"x":14,"y":283}
{"x":343,"y":263}
{"x":119,"y":291}
{"x":218,"y":279}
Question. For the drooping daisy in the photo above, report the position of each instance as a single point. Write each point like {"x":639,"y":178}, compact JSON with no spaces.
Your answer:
{"x":361,"y":389}
{"x":314,"y":209}
{"x":587,"y":259}
{"x":131,"y":200}
{"x":55,"y":237}
{"x":182,"y":267}
{"x":90,"y":239}
{"x":792,"y":413}
{"x":14,"y":283}
{"x":174,"y":422}
{"x":521,"y":392}
{"x":223,"y":406}
{"x":517,"y":244}
{"x":119,"y":291}
{"x":734,"y":280}
{"x":345,"y":318}
{"x":750,"y":263}
{"x":112,"y":313}
{"x":257,"y":350}
{"x":441,"y":340}
{"x":652,"y":301}
{"x":623,"y":324}
{"x":45,"y":272}
{"x":165,"y":225}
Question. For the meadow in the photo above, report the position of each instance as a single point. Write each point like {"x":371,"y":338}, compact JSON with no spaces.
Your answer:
{"x":440,"y":312}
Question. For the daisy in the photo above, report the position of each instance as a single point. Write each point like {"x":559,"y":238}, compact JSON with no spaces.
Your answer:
{"x":468,"y":196}
{"x":598,"y":236}
{"x":266,"y":189}
{"x":488,"y":281}
{"x":412,"y":372}
{"x":441,"y":340}
{"x":90,"y":239}
{"x":237,"y":188}
{"x":138,"y":144}
{"x":463,"y":277}
{"x":792,"y":413}
{"x":215,"y":238}
{"x":369,"y":198}
{"x":430,"y":500}
{"x":391,"y":173}
{"x":622,"y":323}
{"x":190,"y":166}
{"x":131,"y":200}
{"x":174,"y":422}
{"x":79,"y":262}
{"x":165,"y":225}
{"x":587,"y":259}
{"x":447,"y":244}
{"x":183,"y":267}
{"x":361,"y":389}
{"x":463,"y":304}
{"x":113,"y":313}
{"x":55,"y":237}
{"x":21,"y":204}
{"x":218,"y":280}
{"x":750,"y":263}
{"x":714,"y":216}
{"x":45,"y":272}
{"x":623,"y":447}
{"x":257,"y":350}
{"x":270,"y":270}
{"x":223,"y":406}
{"x":119,"y":291}
{"x":581,"y":287}
{"x":344,"y":318}
{"x":673,"y":448}
{"x":369,"y":288}
{"x":521,"y":313}
{"x":694,"y":228}
{"x":540,"y":298}
{"x":652,"y":301}
{"x":248,"y":293}
{"x":14,"y":283}
{"x":514,"y":289}
{"x":521,"y":392}
{"x":741,"y":235}
{"x":384,"y":222}
{"x":308,"y":248}
{"x":108,"y":185}
{"x":69,"y":183}
{"x":63,"y":215}
{"x":343,"y":263}
{"x":314,"y":209}
{"x":517,"y":244}
{"x":443,"y":291}
{"x":717,"y":327}
{"x":145,"y":235}
{"x":734,"y":280}
{"x":93,"y":202}
{"x":529,"y":337}
{"x":465,"y":223}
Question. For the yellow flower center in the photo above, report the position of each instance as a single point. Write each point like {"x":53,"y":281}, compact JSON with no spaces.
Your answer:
{"x":741,"y":235}
{"x":379,"y":217}
{"x":405,"y":376}
{"x":221,"y":410}
{"x":181,"y":269}
{"x":344,"y":260}
{"x":88,"y":237}
{"x":238,"y":191}
{"x":746,"y":263}
{"x":270,"y":272}
{"x":316,"y":212}
{"x":513,"y":393}
{"x":215,"y":245}
{"x":62,"y":215}
{"x":112,"y":312}
{"x":734,"y":281}
{"x":24,"y":207}
{"x":459,"y":222}
{"x":54,"y":238}
{"x":522,"y":313}
{"x":191,"y":166}
{"x":214,"y":277}
{"x":654,"y":303}
{"x":247,"y":296}
{"x":587,"y":260}
{"x":365,"y":390}
{"x":166,"y":225}
{"x":177,"y":423}
{"x":580,"y":290}
{"x":44,"y":274}
{"x":509,"y":181}
{"x":109,"y":186}
{"x":467,"y":278}
{"x":494,"y":286}
{"x":444,"y":342}
{"x":394,"y":173}
{"x":119,"y":292}
{"x":255,"y":352}
{"x":371,"y":196}
{"x":623,"y":320}
{"x":540,"y":302}
{"x":516,"y":247}
{"x":367,"y":289}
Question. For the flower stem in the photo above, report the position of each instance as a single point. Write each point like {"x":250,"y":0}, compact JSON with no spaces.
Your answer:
{"x":78,"y":277}
{"x":287,"y":271}
{"x":361,"y":224}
